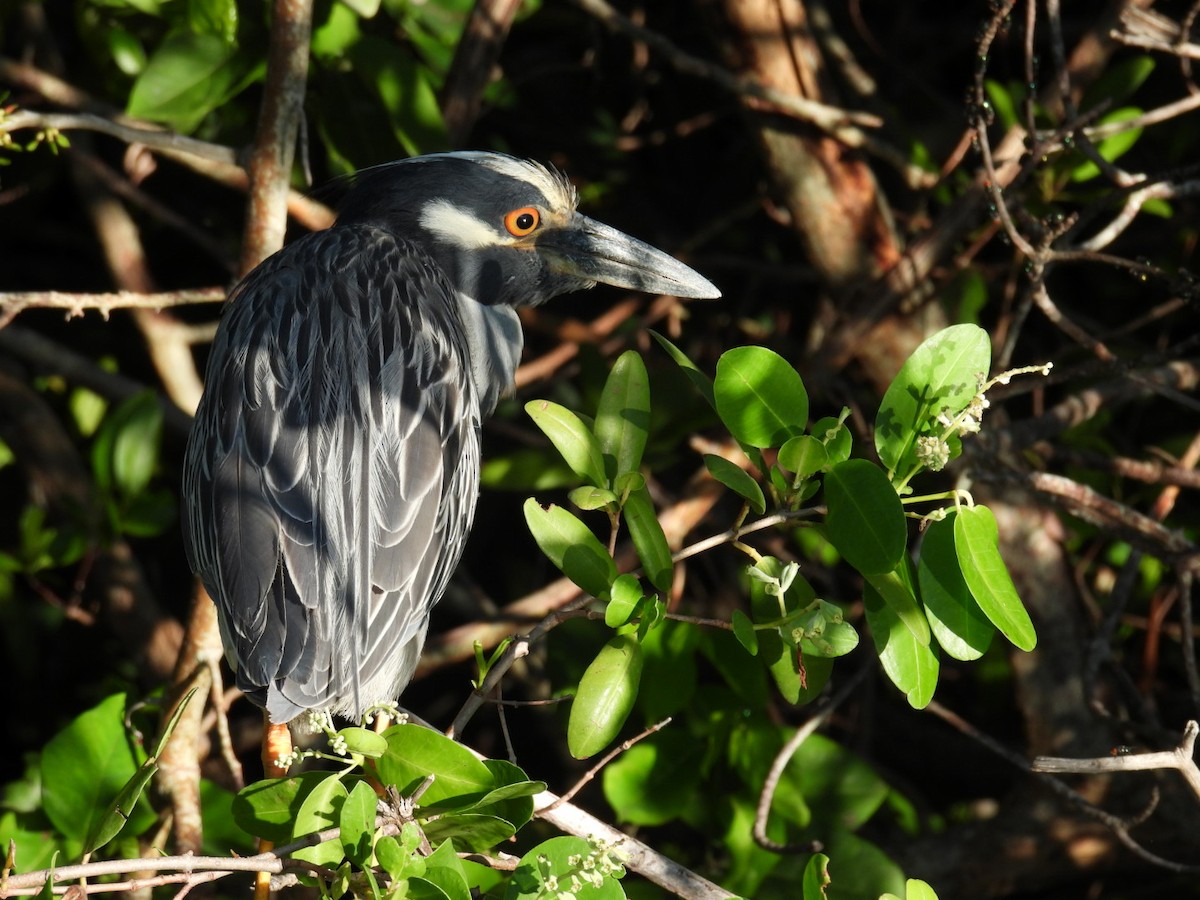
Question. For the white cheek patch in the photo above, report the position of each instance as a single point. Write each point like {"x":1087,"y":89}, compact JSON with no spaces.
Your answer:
{"x":457,"y":226}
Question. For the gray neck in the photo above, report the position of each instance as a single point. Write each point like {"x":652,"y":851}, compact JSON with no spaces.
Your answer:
{"x":494,"y":342}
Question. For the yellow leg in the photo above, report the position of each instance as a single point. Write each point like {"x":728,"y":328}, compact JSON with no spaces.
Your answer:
{"x":277,"y":744}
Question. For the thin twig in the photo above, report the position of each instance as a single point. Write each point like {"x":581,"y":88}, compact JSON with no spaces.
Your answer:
{"x":783,"y":757}
{"x":604,"y":761}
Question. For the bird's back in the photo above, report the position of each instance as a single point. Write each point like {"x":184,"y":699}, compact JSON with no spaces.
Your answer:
{"x":332,"y":471}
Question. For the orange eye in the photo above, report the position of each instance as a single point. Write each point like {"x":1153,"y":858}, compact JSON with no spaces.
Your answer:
{"x":521,"y":222}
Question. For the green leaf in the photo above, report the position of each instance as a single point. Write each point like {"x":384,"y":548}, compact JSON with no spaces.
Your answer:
{"x":835,"y":436}
{"x":976,"y":542}
{"x":364,"y":741}
{"x":558,"y":857}
{"x":1113,"y":147}
{"x":320,"y":810}
{"x":866,"y":518}
{"x":590,"y":498}
{"x":955,"y":618}
{"x":743,"y":630}
{"x":110,"y":825}
{"x":799,"y":684}
{"x":572,"y":547}
{"x":403,"y":87}
{"x":216,"y":17}
{"x":268,"y":808}
{"x":624,"y":597}
{"x":414,"y":753}
{"x":86,"y":767}
{"x":623,"y":416}
{"x":444,"y":869}
{"x":357,"y":824}
{"x":816,"y":878}
{"x":911,"y":665}
{"x":669,"y":670}
{"x":737,"y":480}
{"x":573,"y":439}
{"x":471,"y":832}
{"x":187,"y":77}
{"x":760,"y":397}
{"x":648,"y":539}
{"x":899,"y":595}
{"x":943,"y":373}
{"x":126,"y":51}
{"x":398,"y":855}
{"x":699,"y":380}
{"x":605,"y":696}
{"x":803,"y":456}
{"x":652,"y":781}
{"x":1118,"y":82}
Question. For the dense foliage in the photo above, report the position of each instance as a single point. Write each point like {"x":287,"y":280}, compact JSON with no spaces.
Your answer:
{"x":789,"y":586}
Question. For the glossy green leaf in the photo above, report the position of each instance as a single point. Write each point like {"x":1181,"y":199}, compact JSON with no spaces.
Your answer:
{"x":85,"y":768}
{"x":737,"y":480}
{"x":648,"y":539}
{"x":957,"y":622}
{"x":900,"y":596}
{"x":573,"y":439}
{"x":803,"y":456}
{"x":123,"y":805}
{"x":699,"y":380}
{"x":652,"y":781}
{"x":590,"y":498}
{"x":572,"y":547}
{"x":398,"y":855}
{"x":816,"y":878}
{"x":268,"y":808}
{"x":319,"y":811}
{"x":976,"y":542}
{"x":605,"y":696}
{"x":444,"y":869}
{"x":623,"y":600}
{"x":415,"y":752}
{"x":559,"y":858}
{"x":866,"y":518}
{"x":623,"y":416}
{"x":760,"y":397}
{"x":911,"y":665}
{"x":356,"y":822}
{"x":364,"y":741}
{"x":943,"y":373}
{"x":186,"y":77}
{"x":835,"y":436}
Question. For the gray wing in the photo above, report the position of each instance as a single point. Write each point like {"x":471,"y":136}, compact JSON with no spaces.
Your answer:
{"x":331,"y":475}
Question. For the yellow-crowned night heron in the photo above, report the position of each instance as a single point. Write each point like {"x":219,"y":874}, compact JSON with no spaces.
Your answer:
{"x":331,"y":476}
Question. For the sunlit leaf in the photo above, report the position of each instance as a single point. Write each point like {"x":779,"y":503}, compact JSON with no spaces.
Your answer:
{"x":605,"y":697}
{"x":572,"y":547}
{"x":623,"y":416}
{"x":760,"y":397}
{"x":976,"y":541}
{"x":573,"y":439}
{"x":957,"y":622}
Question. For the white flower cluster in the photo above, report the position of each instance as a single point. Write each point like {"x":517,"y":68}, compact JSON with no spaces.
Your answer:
{"x":591,"y":869}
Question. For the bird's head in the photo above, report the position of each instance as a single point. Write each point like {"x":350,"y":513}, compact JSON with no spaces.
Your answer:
{"x":506,"y":230}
